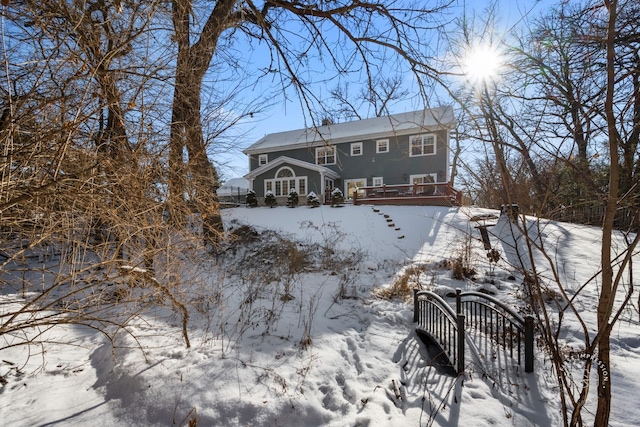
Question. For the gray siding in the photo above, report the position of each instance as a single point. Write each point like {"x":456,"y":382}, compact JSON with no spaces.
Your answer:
{"x":394,"y":166}
{"x":313,"y":179}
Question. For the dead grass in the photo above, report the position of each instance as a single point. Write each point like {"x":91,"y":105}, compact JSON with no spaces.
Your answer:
{"x":403,"y":286}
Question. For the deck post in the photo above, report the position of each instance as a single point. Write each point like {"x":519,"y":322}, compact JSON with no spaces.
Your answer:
{"x":458,"y":301}
{"x":485,"y":236}
{"x":528,"y":344}
{"x":415,"y":305}
{"x":460,"y":343}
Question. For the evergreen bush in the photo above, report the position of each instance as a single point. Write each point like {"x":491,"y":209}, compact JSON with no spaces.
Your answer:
{"x":312,"y":200}
{"x":337,"y":198}
{"x":270,"y":199}
{"x":292,"y":199}
{"x":251,"y":200}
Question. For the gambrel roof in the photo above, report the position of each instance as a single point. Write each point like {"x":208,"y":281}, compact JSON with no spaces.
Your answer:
{"x":377,"y":127}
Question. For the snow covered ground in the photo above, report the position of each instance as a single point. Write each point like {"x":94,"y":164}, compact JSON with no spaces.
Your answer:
{"x":315,"y":348}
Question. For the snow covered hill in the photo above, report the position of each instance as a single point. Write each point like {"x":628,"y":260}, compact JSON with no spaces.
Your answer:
{"x":312,"y":345}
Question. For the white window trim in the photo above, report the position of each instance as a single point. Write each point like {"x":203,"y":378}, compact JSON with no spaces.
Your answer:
{"x":356,"y":145}
{"x":363,"y":181}
{"x":431,"y":190}
{"x":331,"y":147}
{"x":378,"y":151}
{"x":377,"y":181}
{"x":285,"y":168}
{"x":263,"y":159}
{"x":422,"y":175}
{"x":423,"y":135}
{"x":297,"y":179}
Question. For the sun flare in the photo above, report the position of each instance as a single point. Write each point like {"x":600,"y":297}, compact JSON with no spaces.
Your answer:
{"x":482,"y":63}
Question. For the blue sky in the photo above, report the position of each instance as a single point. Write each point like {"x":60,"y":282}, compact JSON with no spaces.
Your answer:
{"x":287,"y":114}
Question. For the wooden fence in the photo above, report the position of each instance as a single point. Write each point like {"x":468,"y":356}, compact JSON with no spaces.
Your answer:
{"x":627,"y":218}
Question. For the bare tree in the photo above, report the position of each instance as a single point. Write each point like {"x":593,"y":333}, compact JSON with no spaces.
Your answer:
{"x":371,"y":101}
{"x":343,"y":35}
{"x":570,"y":83}
{"x":81,"y":170}
{"x":105,"y":153}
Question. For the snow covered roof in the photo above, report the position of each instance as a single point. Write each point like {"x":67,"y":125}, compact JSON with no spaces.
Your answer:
{"x":233,"y":187}
{"x":397,"y":124}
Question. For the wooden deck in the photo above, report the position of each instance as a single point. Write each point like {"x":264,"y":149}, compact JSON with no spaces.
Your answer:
{"x":428,"y":194}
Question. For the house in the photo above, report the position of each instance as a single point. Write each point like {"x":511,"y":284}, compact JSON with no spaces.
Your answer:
{"x":385,"y":156}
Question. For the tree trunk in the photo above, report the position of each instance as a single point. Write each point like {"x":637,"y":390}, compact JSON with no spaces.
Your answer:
{"x":454,"y":162}
{"x":186,"y":128}
{"x":605,"y":302}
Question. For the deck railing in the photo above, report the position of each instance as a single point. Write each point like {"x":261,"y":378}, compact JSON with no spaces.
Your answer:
{"x":408,"y":192}
{"x":436,"y":318}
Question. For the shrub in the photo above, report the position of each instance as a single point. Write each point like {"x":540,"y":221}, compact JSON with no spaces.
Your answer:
{"x":251,"y":200}
{"x":312,"y":200}
{"x":402,"y":287}
{"x":337,"y":198}
{"x":270,"y":199}
{"x":461,"y":269}
{"x":292,"y":199}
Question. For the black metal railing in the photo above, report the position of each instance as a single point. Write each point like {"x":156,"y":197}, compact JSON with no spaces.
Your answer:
{"x":436,"y":318}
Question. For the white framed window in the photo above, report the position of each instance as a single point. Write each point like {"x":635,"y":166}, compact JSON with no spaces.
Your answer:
{"x":377,"y":181}
{"x":285,"y":181}
{"x":263,"y":159}
{"x":352,"y":185}
{"x":422,"y":145}
{"x":326,"y":155}
{"x":423,"y":179}
{"x":428,"y":178}
{"x":285,"y":172}
{"x":356,"y":149}
{"x":382,"y":146}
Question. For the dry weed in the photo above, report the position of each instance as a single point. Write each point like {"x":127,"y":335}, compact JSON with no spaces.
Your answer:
{"x":402,"y":287}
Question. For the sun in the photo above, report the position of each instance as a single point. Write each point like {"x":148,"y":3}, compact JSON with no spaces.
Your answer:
{"x":482,"y":63}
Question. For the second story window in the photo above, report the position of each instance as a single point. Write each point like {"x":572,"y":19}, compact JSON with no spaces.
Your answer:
{"x":263,"y":159}
{"x":326,"y":155}
{"x":422,"y":145}
{"x":382,"y":146}
{"x":356,"y":149}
